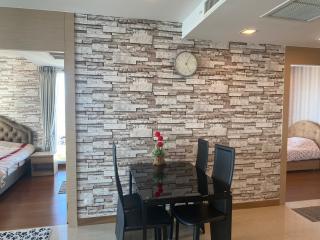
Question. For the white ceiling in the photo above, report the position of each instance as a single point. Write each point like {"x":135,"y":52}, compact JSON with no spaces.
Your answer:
{"x":166,"y":10}
{"x":37,"y":58}
{"x":222,"y":25}
{"x":226,"y":22}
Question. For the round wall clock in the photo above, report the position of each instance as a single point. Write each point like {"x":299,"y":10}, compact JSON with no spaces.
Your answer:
{"x":186,"y":64}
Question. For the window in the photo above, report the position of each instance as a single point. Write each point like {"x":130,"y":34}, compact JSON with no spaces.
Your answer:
{"x":60,"y":155}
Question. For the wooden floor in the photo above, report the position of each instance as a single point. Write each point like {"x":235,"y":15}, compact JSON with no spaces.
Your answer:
{"x":34,"y":202}
{"x":303,"y":185}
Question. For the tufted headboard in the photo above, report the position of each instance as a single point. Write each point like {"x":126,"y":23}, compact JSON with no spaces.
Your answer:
{"x":306,"y":129}
{"x":14,"y":132}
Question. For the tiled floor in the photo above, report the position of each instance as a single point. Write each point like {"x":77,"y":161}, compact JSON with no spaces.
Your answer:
{"x":301,"y":204}
{"x":270,"y":223}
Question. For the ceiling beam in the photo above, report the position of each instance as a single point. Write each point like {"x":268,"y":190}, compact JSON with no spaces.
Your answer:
{"x":197,"y":16}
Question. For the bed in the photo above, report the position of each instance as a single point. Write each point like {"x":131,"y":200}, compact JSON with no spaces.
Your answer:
{"x":303,"y":146}
{"x":15,"y":149}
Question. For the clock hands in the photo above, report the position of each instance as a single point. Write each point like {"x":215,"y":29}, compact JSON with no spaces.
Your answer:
{"x":191,"y":64}
{"x":187,"y":63}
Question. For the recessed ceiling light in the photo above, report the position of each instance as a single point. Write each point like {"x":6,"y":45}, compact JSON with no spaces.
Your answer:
{"x":248,"y":31}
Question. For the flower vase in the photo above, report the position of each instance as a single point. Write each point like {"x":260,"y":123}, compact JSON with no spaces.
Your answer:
{"x":158,"y":161}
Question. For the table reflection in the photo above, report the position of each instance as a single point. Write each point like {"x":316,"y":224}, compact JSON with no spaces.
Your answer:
{"x":175,"y":179}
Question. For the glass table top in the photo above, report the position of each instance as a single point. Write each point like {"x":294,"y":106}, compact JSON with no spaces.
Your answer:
{"x":173,"y":182}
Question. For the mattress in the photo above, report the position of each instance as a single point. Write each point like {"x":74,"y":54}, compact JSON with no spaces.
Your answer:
{"x":300,"y":149}
{"x":13,"y":155}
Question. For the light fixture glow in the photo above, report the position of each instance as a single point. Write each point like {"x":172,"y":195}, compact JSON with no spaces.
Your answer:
{"x":248,"y":31}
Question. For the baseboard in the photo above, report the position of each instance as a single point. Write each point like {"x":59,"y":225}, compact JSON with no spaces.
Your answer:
{"x":256,"y":204}
{"x":96,"y":220}
{"x":245,"y":205}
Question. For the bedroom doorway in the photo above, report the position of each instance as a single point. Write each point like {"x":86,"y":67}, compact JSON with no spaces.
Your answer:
{"x":49,"y":31}
{"x":303,"y":149}
{"x":34,"y":185}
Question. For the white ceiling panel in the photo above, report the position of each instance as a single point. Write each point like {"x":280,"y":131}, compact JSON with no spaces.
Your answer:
{"x":227,"y":21}
{"x":223,"y":23}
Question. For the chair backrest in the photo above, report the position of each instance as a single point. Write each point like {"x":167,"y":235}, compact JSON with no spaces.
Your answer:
{"x":202,"y":155}
{"x":224,"y":164}
{"x":116,"y":174}
{"x":202,"y":181}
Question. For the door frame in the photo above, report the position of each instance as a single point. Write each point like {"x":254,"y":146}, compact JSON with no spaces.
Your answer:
{"x":293,"y":56}
{"x":70,"y":108}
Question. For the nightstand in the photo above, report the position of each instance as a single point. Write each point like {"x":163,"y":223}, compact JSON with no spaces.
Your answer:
{"x":42,"y":164}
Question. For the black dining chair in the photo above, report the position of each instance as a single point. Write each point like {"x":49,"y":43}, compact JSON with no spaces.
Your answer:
{"x":130,"y":201}
{"x":202,"y":161}
{"x":129,"y":214}
{"x":214,"y":211}
{"x":202,"y":154}
{"x":224,"y":158}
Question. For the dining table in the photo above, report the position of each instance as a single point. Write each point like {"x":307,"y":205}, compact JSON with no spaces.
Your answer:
{"x":179,"y":182}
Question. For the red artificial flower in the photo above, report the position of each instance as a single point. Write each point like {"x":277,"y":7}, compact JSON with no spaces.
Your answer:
{"x":160,"y":138}
{"x":160,"y":188}
{"x":157,"y":134}
{"x":160,"y":144}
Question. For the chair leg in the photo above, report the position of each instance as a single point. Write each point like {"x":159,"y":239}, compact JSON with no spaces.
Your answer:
{"x":119,"y":229}
{"x":165,"y":233}
{"x":203,"y":231}
{"x":155,"y":234}
{"x":211,"y":230}
{"x":196,"y":232}
{"x":223,"y":229}
{"x":172,"y":222}
{"x":177,"y":230}
{"x":159,"y":233}
{"x":120,"y":235}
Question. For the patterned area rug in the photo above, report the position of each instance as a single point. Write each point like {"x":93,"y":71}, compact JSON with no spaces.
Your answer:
{"x":311,"y":213}
{"x":63,"y":188}
{"x":27,"y":234}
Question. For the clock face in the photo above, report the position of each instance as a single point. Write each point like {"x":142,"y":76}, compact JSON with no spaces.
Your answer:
{"x":186,"y":64}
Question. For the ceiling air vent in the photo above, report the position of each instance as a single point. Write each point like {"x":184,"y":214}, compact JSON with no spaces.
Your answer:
{"x":209,"y":4}
{"x":300,"y":10}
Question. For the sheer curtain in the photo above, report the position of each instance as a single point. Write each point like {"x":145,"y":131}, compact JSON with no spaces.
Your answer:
{"x":48,"y":101}
{"x":304,"y":94}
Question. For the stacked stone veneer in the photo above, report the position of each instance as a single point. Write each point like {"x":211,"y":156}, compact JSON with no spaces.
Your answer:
{"x":127,"y":87}
{"x":19,"y":94}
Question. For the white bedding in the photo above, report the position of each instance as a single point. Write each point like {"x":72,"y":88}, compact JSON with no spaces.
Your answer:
{"x":300,"y":149}
{"x":13,"y":155}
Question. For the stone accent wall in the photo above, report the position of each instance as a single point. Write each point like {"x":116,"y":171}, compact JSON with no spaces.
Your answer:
{"x":127,"y":87}
{"x":19,"y":94}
